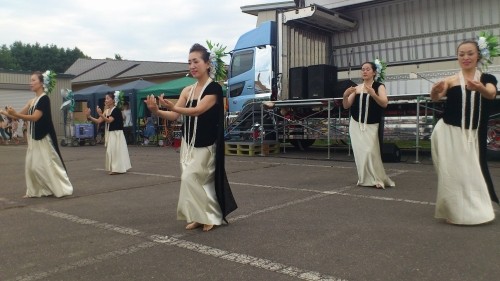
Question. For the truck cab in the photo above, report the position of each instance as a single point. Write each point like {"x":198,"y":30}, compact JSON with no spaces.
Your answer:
{"x":252,"y":68}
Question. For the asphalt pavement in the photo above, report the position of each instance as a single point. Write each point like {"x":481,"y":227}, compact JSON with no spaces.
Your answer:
{"x":300,"y":217}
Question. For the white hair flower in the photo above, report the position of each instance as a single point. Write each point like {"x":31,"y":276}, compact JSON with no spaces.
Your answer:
{"x":213,"y":65}
{"x":488,"y":48}
{"x":380,"y":69}
{"x":481,"y":42}
{"x":49,"y":81}
{"x":119,"y":98}
{"x":218,"y":71}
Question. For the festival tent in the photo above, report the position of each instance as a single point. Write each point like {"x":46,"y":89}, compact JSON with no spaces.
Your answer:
{"x":90,"y":95}
{"x":97,"y":89}
{"x":134,"y":86}
{"x":130,"y":90}
{"x":171,"y":89}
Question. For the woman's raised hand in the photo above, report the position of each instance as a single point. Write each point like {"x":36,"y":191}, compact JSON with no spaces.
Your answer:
{"x":438,"y":87}
{"x":165,"y":103}
{"x":161,"y":100}
{"x":438,"y":90}
{"x":474,"y":85}
{"x":370,"y":90}
{"x":151,"y":103}
{"x":99,"y":111}
{"x":10,"y":110}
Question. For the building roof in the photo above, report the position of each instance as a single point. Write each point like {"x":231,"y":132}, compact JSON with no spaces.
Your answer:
{"x":286,"y":5}
{"x":255,"y":9}
{"x":102,"y":70}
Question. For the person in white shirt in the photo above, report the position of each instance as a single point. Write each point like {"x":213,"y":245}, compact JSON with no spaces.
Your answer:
{"x":127,"y":123}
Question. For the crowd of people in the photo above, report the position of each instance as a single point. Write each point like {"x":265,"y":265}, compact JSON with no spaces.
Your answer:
{"x":465,"y":189}
{"x":12,"y":130}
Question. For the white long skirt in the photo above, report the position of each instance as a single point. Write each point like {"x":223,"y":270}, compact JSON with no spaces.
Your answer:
{"x":197,"y":198}
{"x":44,"y":170}
{"x":462,"y":195}
{"x":366,"y":149}
{"x":117,"y":157}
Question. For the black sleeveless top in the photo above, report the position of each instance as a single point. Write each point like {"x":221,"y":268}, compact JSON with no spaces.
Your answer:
{"x":44,"y":125}
{"x":375,"y":111}
{"x":452,"y":114}
{"x":117,"y":123}
{"x":208,"y":122}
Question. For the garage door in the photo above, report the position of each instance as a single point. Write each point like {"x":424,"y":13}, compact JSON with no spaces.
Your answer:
{"x":15,"y":98}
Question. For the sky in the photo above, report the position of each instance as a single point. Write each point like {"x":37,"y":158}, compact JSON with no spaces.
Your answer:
{"x":147,"y":30}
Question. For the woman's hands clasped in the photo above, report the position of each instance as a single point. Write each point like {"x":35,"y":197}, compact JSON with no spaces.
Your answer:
{"x":369,"y":89}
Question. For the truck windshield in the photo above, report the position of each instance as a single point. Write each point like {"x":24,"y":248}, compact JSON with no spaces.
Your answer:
{"x":241,"y":62}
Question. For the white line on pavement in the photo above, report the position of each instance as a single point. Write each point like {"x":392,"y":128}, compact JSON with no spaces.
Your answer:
{"x":256,"y":262}
{"x":341,"y":191}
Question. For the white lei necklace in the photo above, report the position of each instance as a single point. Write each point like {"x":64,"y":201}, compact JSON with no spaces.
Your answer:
{"x":362,"y":124}
{"x":187,"y":153}
{"x":469,"y":134}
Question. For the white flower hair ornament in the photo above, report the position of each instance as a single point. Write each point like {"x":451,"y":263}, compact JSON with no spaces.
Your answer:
{"x":213,"y":65}
{"x":218,"y":71}
{"x":119,"y":98}
{"x":49,"y":81}
{"x":381,"y":67}
{"x":488,"y":48}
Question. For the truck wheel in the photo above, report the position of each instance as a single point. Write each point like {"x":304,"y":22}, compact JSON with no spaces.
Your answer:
{"x":63,"y":142}
{"x":75,"y":143}
{"x":302,"y":144}
{"x":92,"y":143}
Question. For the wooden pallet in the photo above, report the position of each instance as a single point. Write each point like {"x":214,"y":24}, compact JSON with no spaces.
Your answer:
{"x":251,"y":149}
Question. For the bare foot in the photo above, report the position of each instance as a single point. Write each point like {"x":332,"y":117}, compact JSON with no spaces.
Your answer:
{"x":379,"y":186}
{"x":208,"y":227}
{"x":193,"y":225}
{"x":26,"y":196}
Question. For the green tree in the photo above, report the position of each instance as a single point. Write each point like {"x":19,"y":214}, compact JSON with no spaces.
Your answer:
{"x":117,"y":57}
{"x":30,"y":57}
{"x":6,"y":59}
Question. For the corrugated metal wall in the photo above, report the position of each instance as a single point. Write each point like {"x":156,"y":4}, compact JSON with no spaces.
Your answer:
{"x":14,"y":90}
{"x":306,"y":48}
{"x":416,"y":31}
{"x":302,"y":48}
